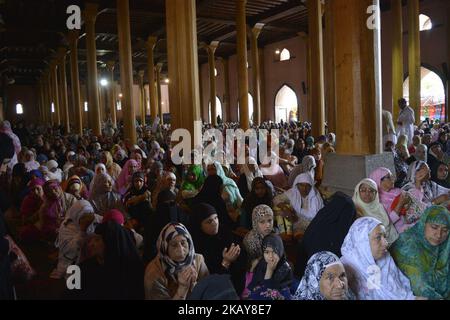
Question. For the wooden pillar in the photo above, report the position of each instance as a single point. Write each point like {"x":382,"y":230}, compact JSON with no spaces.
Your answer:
{"x":158,"y":90}
{"x":75,"y":82}
{"x":202,"y":103}
{"x":48,"y":99}
{"x":256,"y":72}
{"x":330,"y":67}
{"x":317,"y":83}
{"x":304,"y":36}
{"x":181,"y":26}
{"x":211,"y":49}
{"x":241,"y":28}
{"x":63,"y":101}
{"x":55,"y":92}
{"x":358,"y":78}
{"x":447,"y":102}
{"x":142,"y":97}
{"x":262,"y":77}
{"x":112,"y":93}
{"x":414,"y":57}
{"x":151,"y":43}
{"x":397,"y":55}
{"x":90,"y":14}
{"x":126,"y":69}
{"x":226,"y":96}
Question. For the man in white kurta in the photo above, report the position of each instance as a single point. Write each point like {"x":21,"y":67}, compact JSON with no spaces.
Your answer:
{"x":406,"y":120}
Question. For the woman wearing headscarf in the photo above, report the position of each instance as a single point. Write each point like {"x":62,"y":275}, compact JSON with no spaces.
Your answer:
{"x":325,"y":279}
{"x":192,"y":182}
{"x":439,"y":174}
{"x":308,"y":165}
{"x":32,"y":202}
{"x":309,"y":143}
{"x":230,"y":192}
{"x":137,"y":200}
{"x":220,"y":250}
{"x":214,"y":287}
{"x":78,"y":223}
{"x":367,"y":202}
{"x":156,"y":153}
{"x":318,"y":171}
{"x":174,"y":272}
{"x":167,"y":211}
{"x":250,"y":171}
{"x":114,"y":271}
{"x":112,"y":168}
{"x":154,"y":176}
{"x":54,"y":173}
{"x":75,"y":187}
{"x":262,"y":225}
{"x":30,"y":161}
{"x":371,"y":271}
{"x":327,"y":230}
{"x":168,"y":181}
{"x":402,"y":146}
{"x":420,"y":154}
{"x":124,"y":180}
{"x":272,"y":276}
{"x":402,"y":207}
{"x":102,"y":196}
{"x":298,"y":206}
{"x":261,"y":193}
{"x":421,"y":187}
{"x":99,"y":168}
{"x":423,"y":254}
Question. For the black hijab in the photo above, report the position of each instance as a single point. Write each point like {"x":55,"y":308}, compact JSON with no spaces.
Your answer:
{"x":251,"y":201}
{"x":282,"y":276}
{"x":327,"y":230}
{"x":434,"y":176}
{"x":214,"y":287}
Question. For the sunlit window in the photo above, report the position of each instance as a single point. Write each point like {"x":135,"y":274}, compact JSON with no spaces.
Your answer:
{"x":53,"y":107}
{"x":285,"y":55}
{"x":85,"y":106}
{"x":19,"y":108}
{"x":425,"y":22}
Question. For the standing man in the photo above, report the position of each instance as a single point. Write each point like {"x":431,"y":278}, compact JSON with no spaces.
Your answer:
{"x":406,"y":120}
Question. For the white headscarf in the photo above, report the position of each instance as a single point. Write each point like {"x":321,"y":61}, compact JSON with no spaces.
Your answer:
{"x":250,"y":176}
{"x":370,"y":279}
{"x":375,"y":209}
{"x":315,"y":202}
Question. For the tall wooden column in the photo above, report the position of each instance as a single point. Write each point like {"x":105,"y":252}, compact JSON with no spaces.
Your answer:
{"x":211,"y":49}
{"x":90,"y":14}
{"x":241,"y":28}
{"x":182,"y":51}
{"x":142,"y":101}
{"x":358,"y":78}
{"x":75,"y":82}
{"x":55,"y":91}
{"x":256,"y":72}
{"x":126,"y":69}
{"x":262,"y":83}
{"x":330,"y":67}
{"x":202,"y":103}
{"x":63,"y":88}
{"x":48,"y":97}
{"x":226,"y":96}
{"x":112,"y":93}
{"x":304,"y":36}
{"x":158,"y":69}
{"x":397,"y":55}
{"x":317,"y":83}
{"x":414,"y":57}
{"x":151,"y":43}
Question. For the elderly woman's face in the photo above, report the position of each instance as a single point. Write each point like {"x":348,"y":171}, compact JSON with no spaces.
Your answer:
{"x":100,"y":169}
{"x":436,"y":234}
{"x":37,"y":191}
{"x":170,"y":181}
{"x":178,"y":248}
{"x":367,"y":193}
{"x":133,"y":167}
{"x":333,"y":283}
{"x":378,"y":242}
{"x":304,"y":189}
{"x":265,"y":225}
{"x":54,"y":192}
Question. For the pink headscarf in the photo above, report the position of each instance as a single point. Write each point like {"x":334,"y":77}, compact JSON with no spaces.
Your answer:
{"x":386,"y":198}
{"x":114,"y":215}
{"x":125,"y":176}
{"x":36,"y":182}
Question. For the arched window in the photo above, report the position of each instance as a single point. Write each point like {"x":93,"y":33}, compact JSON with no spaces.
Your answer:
{"x":19,"y":108}
{"x":432,"y":95}
{"x":86,"y":106}
{"x":425,"y":22}
{"x":285,"y":55}
{"x":53,"y":107}
{"x":218,"y":109}
{"x":119,"y":105}
{"x":286,"y":105}
{"x":250,"y":108}
{"x":215,"y":72}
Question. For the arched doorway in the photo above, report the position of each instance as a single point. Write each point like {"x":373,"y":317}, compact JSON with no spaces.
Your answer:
{"x":432,"y":95}
{"x":218,"y":109}
{"x":286,"y":105}
{"x":250,"y":108}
